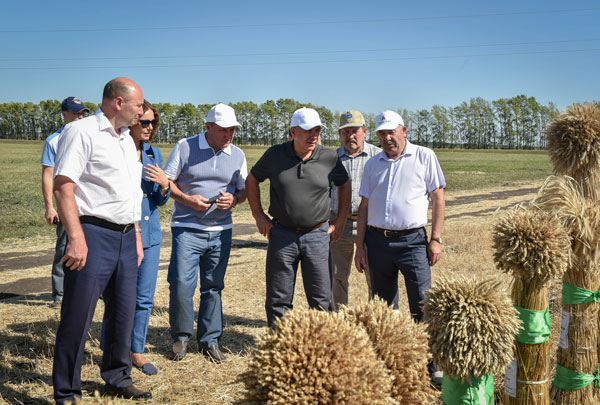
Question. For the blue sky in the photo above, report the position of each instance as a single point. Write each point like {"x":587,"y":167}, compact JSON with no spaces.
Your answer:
{"x":369,"y":56}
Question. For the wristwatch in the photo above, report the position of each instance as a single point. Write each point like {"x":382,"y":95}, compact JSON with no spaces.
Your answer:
{"x":438,"y":240}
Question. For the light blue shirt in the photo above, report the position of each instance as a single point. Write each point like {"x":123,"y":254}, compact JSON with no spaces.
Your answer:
{"x":398,"y":190}
{"x":50,"y":145}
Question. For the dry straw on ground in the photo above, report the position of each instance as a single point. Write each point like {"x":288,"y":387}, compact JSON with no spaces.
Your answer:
{"x":580,"y":215}
{"x":402,"y":344}
{"x":316,"y":357}
{"x":472,"y":325}
{"x":532,"y":245}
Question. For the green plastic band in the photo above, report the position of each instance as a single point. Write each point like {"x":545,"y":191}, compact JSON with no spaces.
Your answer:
{"x":479,"y":392}
{"x":567,"y":379}
{"x":576,"y":295}
{"x":536,"y":326}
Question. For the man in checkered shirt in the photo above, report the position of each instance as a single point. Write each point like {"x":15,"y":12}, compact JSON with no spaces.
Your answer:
{"x":353,"y":154}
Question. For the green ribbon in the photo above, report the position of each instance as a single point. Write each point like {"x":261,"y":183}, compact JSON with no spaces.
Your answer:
{"x":567,"y":379}
{"x":576,"y":295}
{"x":479,"y":392}
{"x":536,"y":326}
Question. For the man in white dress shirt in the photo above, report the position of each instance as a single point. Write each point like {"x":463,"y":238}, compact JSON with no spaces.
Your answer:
{"x":395,"y":189}
{"x":99,"y":199}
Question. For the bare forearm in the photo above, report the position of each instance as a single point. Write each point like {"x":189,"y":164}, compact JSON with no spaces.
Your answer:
{"x":67,"y":208}
{"x":178,"y":195}
{"x":47,"y":183}
{"x":361,"y":224}
{"x":241,"y":195}
{"x":344,"y":201}
{"x":253,"y":195}
{"x":438,"y":206}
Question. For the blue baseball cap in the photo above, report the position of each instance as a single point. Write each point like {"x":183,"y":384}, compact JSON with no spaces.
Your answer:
{"x":73,"y":104}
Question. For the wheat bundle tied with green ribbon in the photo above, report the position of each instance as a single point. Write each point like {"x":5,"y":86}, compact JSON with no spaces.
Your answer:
{"x":576,"y":205}
{"x":401,"y":344}
{"x":316,"y":357}
{"x":531,"y":244}
{"x":472,"y":325}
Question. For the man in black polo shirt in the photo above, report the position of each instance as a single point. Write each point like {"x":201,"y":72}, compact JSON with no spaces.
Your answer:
{"x":301,"y":173}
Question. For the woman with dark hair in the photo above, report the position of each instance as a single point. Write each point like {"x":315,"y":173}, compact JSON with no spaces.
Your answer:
{"x":156,"y":189}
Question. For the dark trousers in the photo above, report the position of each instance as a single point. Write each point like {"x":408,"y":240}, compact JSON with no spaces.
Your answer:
{"x":286,"y":250}
{"x":58,"y":272}
{"x":407,"y":254}
{"x":111,"y":270}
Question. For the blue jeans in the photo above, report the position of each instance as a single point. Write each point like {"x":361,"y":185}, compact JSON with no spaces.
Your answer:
{"x":286,"y":250}
{"x":209,"y":250}
{"x":58,"y":272}
{"x":146,"y":285}
{"x":407,"y":254}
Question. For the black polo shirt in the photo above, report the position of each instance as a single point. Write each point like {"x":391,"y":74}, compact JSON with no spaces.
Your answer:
{"x":299,"y":189}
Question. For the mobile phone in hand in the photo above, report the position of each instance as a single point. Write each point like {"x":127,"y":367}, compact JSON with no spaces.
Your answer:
{"x":212,"y":200}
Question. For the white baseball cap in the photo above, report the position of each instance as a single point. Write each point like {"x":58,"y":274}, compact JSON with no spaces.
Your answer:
{"x":222,"y":115}
{"x":388,"y":120}
{"x":306,"y":118}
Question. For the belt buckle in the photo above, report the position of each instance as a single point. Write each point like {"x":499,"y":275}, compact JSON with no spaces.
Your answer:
{"x":126,"y":228}
{"x":386,"y":234}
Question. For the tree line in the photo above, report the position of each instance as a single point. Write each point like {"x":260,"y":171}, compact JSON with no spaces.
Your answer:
{"x":507,"y":123}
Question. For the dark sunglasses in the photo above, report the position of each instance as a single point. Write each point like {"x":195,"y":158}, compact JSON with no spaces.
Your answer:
{"x":145,"y":123}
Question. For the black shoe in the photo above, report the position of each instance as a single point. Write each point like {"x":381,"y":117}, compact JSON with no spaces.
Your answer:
{"x":179,"y":349}
{"x":214,"y":353}
{"x":126,"y":392}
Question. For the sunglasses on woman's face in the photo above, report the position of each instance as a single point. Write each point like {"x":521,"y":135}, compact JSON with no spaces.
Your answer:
{"x":145,"y":123}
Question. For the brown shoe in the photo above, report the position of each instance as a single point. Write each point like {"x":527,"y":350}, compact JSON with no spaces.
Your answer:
{"x":127,"y":392}
{"x":214,"y":353}
{"x":179,"y":350}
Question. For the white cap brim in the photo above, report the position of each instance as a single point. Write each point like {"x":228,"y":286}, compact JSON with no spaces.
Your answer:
{"x":308,"y":127}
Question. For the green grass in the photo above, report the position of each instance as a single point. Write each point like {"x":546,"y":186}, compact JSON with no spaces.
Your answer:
{"x":22,"y":208}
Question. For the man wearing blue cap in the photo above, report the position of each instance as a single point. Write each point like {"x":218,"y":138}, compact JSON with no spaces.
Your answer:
{"x":72,"y":109}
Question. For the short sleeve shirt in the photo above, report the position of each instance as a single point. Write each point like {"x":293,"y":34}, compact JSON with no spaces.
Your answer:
{"x":398,"y":190}
{"x":50,"y":145}
{"x":300,"y":190}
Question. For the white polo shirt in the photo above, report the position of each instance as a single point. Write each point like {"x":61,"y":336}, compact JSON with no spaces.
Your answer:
{"x":398,"y":190}
{"x":105,"y":168}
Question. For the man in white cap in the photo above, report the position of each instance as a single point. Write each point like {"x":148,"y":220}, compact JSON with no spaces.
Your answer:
{"x":301,"y":172}
{"x":395,"y":189}
{"x":353,"y":154}
{"x":207,"y":174}
{"x":72,"y":109}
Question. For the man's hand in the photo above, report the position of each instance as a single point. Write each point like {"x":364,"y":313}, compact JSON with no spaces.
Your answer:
{"x":51,"y":216}
{"x":76,"y":253}
{"x":264,"y":225}
{"x":335,"y":230}
{"x":434,"y":251}
{"x":139,"y":248}
{"x":226,"y":201}
{"x":360,"y":259}
{"x":197,"y":202}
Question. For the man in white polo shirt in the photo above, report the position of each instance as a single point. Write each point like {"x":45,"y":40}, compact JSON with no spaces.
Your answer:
{"x":396,"y":186}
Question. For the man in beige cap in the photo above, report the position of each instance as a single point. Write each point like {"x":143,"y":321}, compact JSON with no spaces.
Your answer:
{"x":353,"y":154}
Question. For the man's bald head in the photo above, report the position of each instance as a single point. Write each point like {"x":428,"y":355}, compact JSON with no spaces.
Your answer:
{"x":122,"y":102}
{"x":120,"y":86}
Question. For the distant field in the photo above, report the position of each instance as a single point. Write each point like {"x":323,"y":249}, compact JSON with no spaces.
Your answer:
{"x":22,"y":208}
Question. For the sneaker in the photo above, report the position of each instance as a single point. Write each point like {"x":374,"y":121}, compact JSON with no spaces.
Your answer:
{"x":179,"y":349}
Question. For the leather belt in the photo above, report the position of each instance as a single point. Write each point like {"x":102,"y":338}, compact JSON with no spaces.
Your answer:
{"x":394,"y":234}
{"x":302,"y":230}
{"x":353,"y":217}
{"x":103,"y":223}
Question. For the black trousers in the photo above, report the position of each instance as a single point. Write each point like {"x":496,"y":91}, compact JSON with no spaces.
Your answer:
{"x":111,"y":270}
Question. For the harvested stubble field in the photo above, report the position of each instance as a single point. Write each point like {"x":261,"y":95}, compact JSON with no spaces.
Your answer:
{"x":28,"y":324}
